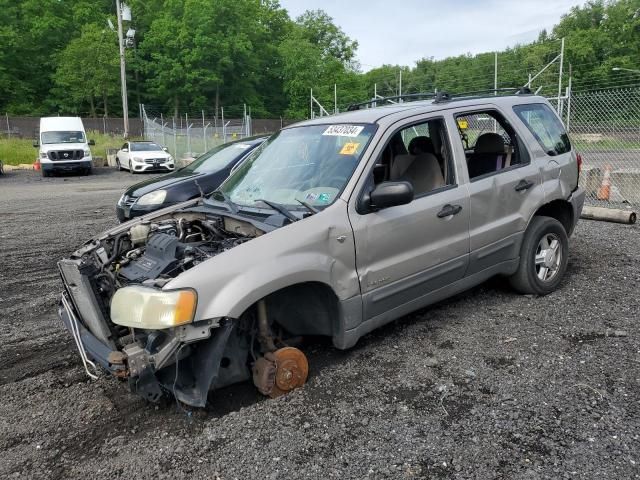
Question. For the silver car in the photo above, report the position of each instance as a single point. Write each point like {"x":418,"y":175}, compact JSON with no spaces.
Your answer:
{"x":334,"y":227}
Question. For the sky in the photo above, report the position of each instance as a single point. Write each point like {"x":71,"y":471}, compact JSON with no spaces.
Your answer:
{"x":404,"y":31}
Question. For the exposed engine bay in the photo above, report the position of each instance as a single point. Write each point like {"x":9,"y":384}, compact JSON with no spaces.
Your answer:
{"x":153,"y":253}
{"x":185,"y":361}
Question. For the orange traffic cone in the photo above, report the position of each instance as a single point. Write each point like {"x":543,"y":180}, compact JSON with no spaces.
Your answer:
{"x":36,"y":166}
{"x":605,"y":187}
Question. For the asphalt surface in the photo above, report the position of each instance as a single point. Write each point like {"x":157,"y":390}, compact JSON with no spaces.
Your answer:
{"x":488,"y":384}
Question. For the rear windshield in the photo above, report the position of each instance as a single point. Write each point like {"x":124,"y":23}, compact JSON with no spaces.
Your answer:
{"x":219,"y":158}
{"x":145,"y":147}
{"x":62,"y":137}
{"x":545,"y":126}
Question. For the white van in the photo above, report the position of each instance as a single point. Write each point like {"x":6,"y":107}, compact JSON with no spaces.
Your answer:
{"x":63,"y":146}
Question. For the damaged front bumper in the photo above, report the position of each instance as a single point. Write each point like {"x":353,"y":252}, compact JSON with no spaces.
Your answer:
{"x":194,"y":359}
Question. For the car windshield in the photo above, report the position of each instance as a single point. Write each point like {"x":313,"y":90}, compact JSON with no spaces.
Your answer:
{"x":218,"y":158}
{"x":311,"y":164}
{"x":145,"y":147}
{"x":62,"y":137}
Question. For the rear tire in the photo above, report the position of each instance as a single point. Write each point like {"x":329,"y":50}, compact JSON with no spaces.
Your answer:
{"x":543,"y":257}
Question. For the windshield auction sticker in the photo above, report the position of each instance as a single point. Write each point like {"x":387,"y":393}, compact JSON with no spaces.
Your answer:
{"x":344,"y":130}
{"x":349,"y":148}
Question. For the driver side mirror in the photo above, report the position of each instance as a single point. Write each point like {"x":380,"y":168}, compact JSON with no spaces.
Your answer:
{"x":166,"y":149}
{"x":390,"y":194}
{"x":92,"y":142}
{"x":124,"y":150}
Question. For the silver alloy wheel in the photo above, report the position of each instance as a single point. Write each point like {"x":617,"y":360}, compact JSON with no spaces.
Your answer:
{"x":548,"y":257}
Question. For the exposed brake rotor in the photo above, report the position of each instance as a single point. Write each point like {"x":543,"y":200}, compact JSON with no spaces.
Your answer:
{"x":281,"y":371}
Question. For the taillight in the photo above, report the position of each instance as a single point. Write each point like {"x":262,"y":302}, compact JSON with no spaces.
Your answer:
{"x":579,"y":160}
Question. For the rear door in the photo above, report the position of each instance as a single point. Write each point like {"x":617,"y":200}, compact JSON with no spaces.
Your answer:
{"x":503,"y":199}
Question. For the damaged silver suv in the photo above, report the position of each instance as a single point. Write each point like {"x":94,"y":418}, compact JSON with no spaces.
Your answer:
{"x":333,"y":227}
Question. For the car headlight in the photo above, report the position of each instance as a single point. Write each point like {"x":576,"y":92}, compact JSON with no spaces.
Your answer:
{"x":121,"y":200}
{"x":87,"y":153}
{"x":143,"y":307}
{"x":138,"y":159}
{"x":152,"y":198}
{"x":43,"y":154}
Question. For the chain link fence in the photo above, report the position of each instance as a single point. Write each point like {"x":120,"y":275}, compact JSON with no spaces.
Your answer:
{"x":187,"y":136}
{"x":604,"y":126}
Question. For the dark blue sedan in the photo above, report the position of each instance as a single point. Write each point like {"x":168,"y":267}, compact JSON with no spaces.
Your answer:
{"x":204,"y":175}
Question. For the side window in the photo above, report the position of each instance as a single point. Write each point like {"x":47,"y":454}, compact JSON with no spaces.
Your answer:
{"x":490,"y":143}
{"x":419,"y":154}
{"x":545,"y":126}
{"x":126,"y":145}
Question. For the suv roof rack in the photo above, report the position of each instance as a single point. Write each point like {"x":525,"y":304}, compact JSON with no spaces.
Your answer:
{"x":412,"y":97}
{"x":439,"y":97}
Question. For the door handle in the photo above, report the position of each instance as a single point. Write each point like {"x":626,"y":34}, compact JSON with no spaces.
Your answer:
{"x":524,"y":185}
{"x":449,"y":210}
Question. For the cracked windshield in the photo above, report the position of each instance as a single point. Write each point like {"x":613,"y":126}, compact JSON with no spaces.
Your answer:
{"x":309,"y":164}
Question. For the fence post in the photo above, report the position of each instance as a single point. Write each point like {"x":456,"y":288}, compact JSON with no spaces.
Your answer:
{"x":8,"y":127}
{"x":204,"y":133}
{"x":175,"y":143}
{"x":568,"y":125}
{"x":186,"y":121}
{"x":224,"y":127}
{"x":164,"y":142}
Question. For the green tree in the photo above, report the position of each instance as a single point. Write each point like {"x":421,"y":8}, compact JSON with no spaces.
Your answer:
{"x":316,"y":54}
{"x":88,"y":70}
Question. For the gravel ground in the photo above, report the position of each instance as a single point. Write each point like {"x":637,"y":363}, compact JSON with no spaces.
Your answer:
{"x":488,"y":384}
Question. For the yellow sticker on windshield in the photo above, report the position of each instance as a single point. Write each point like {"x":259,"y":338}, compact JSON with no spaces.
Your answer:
{"x":349,"y":148}
{"x":463,"y":124}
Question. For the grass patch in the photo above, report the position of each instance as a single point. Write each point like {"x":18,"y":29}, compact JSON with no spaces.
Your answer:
{"x":14,"y":151}
{"x":17,"y":150}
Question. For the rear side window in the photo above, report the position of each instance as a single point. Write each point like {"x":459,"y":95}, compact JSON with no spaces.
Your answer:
{"x":545,"y":126}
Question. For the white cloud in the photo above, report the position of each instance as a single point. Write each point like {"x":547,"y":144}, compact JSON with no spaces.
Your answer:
{"x":404,"y":32}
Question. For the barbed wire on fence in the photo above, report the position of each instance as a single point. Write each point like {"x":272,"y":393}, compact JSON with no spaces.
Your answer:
{"x":189,"y":136}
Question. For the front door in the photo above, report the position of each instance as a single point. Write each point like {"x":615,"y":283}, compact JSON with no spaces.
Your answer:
{"x":405,"y":252}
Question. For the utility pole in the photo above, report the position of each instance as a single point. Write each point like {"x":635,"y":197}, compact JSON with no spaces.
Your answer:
{"x":123,"y":72}
{"x":495,"y":73}
{"x":495,"y":86}
{"x":569,"y":94}
{"x":560,"y":78}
